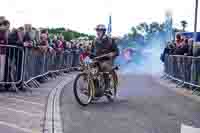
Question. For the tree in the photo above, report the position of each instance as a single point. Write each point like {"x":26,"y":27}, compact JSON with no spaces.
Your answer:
{"x":154,"y":27}
{"x":133,"y":33}
{"x":133,"y":30}
{"x":184,"y":25}
{"x":162,"y":26}
{"x":176,"y":30}
{"x":143,"y":28}
{"x":68,"y":34}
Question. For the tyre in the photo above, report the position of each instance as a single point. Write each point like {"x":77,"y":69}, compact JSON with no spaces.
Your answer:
{"x":112,"y":91}
{"x":85,"y":96}
{"x":114,"y":74}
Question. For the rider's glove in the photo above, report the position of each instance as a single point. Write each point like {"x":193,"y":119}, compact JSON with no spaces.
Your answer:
{"x":87,"y":60}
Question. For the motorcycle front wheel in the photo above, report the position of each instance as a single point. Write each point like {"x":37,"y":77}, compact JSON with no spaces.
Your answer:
{"x":82,"y":89}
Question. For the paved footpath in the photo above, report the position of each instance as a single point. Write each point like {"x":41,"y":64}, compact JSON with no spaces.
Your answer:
{"x":24,"y":112}
{"x":143,"y":106}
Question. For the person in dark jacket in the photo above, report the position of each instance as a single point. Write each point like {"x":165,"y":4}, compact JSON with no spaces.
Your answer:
{"x":183,"y":48}
{"x":104,"y":45}
{"x":14,"y":38}
{"x":15,"y":57}
{"x":190,"y":47}
{"x":4,"y":28}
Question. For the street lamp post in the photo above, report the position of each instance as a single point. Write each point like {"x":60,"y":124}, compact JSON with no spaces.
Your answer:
{"x":195,"y":25}
{"x":196,"y":17}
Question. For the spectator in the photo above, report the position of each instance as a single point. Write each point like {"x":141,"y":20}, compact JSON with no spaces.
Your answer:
{"x":14,"y":38}
{"x":69,"y":46}
{"x":43,"y":39}
{"x":84,"y":53}
{"x":179,"y":40}
{"x":54,"y":41}
{"x":21,"y":32}
{"x":45,"y":31}
{"x":4,"y":27}
{"x":182,"y":48}
{"x":28,"y":40}
{"x":190,"y":47}
{"x":185,"y":46}
{"x":169,"y":49}
{"x":14,"y":57}
{"x":59,"y":46}
{"x":33,"y":36}
{"x":64,"y":43}
{"x":37,"y":36}
{"x":44,"y":44}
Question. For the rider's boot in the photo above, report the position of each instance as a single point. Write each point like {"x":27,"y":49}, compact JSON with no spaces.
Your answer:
{"x":107,"y":85}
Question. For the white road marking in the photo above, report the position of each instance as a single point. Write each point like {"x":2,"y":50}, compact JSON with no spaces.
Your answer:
{"x":20,"y":111}
{"x":189,"y":129}
{"x":27,"y":98}
{"x":16,"y":127}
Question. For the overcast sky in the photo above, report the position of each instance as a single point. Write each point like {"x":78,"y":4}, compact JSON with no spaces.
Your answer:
{"x":83,"y":15}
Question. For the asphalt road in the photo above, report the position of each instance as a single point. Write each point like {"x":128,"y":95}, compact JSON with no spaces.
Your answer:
{"x":143,"y":106}
{"x":23,"y":112}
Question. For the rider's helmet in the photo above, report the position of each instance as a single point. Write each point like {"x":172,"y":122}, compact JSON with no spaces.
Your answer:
{"x":101,"y":27}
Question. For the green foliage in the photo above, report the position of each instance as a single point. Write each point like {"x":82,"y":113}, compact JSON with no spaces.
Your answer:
{"x":154,"y":27}
{"x":146,"y":30}
{"x":184,"y":24}
{"x":143,"y":28}
{"x":68,"y":34}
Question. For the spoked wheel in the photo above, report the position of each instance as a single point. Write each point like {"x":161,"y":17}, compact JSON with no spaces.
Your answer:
{"x":82,"y":89}
{"x":112,"y":91}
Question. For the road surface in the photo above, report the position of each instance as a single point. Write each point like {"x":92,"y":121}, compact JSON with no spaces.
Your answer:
{"x":23,"y":112}
{"x":143,"y":106}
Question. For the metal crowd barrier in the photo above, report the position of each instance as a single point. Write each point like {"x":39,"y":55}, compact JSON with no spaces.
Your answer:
{"x":76,"y":60}
{"x":11,"y":64}
{"x":22,"y":65}
{"x":185,"y":69}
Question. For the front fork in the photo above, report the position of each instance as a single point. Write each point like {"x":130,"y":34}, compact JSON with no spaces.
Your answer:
{"x":92,"y":87}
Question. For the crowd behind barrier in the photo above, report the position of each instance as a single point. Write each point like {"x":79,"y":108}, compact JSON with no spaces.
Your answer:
{"x":19,"y":65}
{"x":27,"y":53}
{"x":180,"y":62}
{"x":183,"y":68}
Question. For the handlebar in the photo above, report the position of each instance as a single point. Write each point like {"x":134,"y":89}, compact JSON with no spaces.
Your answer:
{"x":95,"y":59}
{"x":102,"y":56}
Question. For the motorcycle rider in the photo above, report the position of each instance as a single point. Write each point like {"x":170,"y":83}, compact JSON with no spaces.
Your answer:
{"x":104,"y":45}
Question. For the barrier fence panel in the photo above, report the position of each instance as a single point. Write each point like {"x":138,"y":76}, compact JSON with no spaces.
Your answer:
{"x":11,"y":64}
{"x":18,"y":64}
{"x":183,"y":68}
{"x":76,"y":59}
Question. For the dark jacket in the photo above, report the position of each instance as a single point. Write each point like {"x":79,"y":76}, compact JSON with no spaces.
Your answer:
{"x":27,"y":37}
{"x":13,"y":39}
{"x":104,"y":46}
{"x":182,"y":50}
